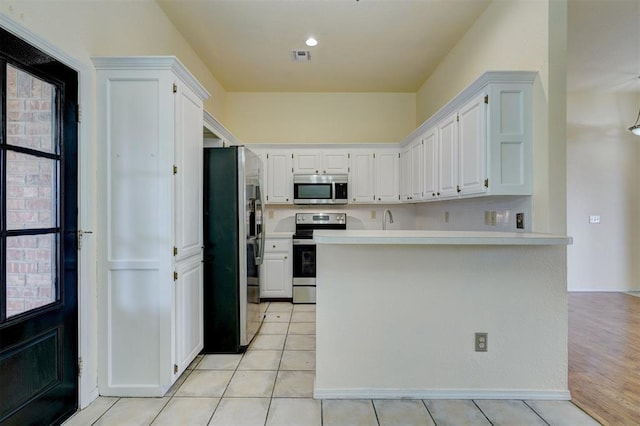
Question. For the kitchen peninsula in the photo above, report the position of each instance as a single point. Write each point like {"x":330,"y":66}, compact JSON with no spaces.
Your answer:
{"x":397,"y":313}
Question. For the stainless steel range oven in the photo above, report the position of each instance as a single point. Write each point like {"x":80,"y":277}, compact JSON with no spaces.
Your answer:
{"x":304,"y":251}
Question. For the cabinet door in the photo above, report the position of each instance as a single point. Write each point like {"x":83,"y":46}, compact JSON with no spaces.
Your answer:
{"x":405,"y":174}
{"x":279,"y":178}
{"x":307,"y":162}
{"x":510,"y":147}
{"x":448,"y":157}
{"x":361,"y":184}
{"x":335,"y":162}
{"x":417,"y":170}
{"x":188,"y":313}
{"x":188,"y":173}
{"x":387,"y":176}
{"x":430,"y":141}
{"x":277,"y":269}
{"x":472,"y":146}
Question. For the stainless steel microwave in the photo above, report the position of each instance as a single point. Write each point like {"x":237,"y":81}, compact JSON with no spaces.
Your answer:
{"x":320,"y":189}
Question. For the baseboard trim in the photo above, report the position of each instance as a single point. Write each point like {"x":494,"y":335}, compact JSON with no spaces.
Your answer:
{"x":366,"y":393}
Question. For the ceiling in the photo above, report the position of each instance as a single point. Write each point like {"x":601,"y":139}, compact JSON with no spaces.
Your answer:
{"x":364,"y":45}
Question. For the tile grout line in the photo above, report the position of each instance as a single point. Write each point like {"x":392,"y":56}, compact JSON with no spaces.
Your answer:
{"x":478,"y":407}
{"x":429,"y":412}
{"x":538,"y":414}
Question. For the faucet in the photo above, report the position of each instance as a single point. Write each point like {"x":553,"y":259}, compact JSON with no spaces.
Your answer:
{"x":384,"y":218}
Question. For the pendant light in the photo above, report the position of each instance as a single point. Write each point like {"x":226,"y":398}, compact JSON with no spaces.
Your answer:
{"x":635,"y":129}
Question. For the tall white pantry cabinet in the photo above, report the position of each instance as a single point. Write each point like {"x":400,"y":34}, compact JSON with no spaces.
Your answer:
{"x":150,"y":273}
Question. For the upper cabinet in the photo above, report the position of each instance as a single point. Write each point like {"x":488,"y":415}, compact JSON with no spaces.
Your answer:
{"x":279,"y":177}
{"x":330,"y":161}
{"x":387,"y":176}
{"x":480,"y":143}
{"x":374,"y":176}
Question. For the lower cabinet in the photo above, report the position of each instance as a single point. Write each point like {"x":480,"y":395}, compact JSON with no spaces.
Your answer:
{"x":276,"y":270}
{"x":188,"y":312}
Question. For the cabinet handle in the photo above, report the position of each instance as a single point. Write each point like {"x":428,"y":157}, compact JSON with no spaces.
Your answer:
{"x":458,"y":188}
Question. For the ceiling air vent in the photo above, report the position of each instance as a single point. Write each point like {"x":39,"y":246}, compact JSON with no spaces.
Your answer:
{"x":301,"y":55}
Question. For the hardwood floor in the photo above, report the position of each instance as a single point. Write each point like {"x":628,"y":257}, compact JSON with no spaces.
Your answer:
{"x":604,"y":356}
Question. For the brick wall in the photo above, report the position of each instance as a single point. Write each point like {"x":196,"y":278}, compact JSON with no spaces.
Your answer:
{"x":31,"y":193}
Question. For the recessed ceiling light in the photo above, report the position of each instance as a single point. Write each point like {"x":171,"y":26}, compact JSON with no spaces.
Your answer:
{"x":311,"y":42}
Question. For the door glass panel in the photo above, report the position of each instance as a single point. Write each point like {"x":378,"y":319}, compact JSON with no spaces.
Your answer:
{"x":31,"y":191}
{"x":30,"y":106}
{"x":31,"y":272}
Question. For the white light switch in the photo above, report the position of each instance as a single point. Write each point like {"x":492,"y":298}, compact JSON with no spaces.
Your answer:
{"x":594,"y":219}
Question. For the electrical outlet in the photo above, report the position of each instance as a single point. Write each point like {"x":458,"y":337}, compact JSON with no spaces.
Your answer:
{"x":481,"y":340}
{"x":494,"y":218}
{"x":594,"y":219}
{"x":373,"y":214}
{"x":520,"y":220}
{"x":487,"y":217}
{"x":446,"y":217}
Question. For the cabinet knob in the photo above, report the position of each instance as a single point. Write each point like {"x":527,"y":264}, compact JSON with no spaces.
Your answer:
{"x":285,"y":258}
{"x":378,"y":199}
{"x":274,"y":246}
{"x":316,"y":171}
{"x":433,"y":194}
{"x":438,"y":193}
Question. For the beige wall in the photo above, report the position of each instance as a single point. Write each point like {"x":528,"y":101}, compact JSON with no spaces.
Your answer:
{"x":320,"y":117}
{"x":603,"y":166}
{"x":83,"y":29}
{"x":517,"y":35}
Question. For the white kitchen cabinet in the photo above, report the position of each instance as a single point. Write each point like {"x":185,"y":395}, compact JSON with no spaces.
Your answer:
{"x":307,"y":162}
{"x":279,"y":177}
{"x":405,"y":174}
{"x":510,"y":139}
{"x":472,"y":146}
{"x":329,"y":161}
{"x":189,"y":321}
{"x":431,"y":168}
{"x":150,"y":120}
{"x":277,"y":269}
{"x":362,"y":177}
{"x":462,"y":150}
{"x":387,"y":176}
{"x":417,"y":170}
{"x":481,"y":143}
{"x":448,"y":157}
{"x":335,"y":161}
{"x":412,"y":171}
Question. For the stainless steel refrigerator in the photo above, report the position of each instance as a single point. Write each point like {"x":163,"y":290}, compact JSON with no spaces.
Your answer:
{"x":233,"y":248}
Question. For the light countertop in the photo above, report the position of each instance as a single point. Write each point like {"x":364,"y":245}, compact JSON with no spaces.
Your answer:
{"x":410,"y":237}
{"x":282,"y":235}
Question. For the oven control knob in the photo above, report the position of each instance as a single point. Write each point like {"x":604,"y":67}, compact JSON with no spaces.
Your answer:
{"x":302,"y":218}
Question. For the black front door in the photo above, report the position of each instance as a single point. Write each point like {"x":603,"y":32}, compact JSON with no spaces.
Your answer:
{"x":38,"y":254}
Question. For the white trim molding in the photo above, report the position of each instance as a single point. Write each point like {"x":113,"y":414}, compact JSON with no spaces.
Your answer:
{"x":375,"y":393}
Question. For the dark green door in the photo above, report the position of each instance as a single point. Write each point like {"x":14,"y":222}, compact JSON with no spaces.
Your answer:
{"x":38,"y":254}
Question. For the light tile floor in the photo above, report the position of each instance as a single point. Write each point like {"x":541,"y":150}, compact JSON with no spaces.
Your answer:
{"x":272,"y":384}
